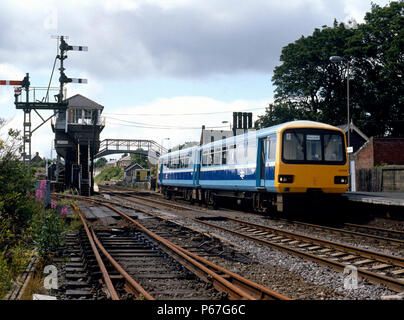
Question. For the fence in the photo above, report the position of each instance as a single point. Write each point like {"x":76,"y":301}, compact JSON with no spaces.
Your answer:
{"x":381,"y":179}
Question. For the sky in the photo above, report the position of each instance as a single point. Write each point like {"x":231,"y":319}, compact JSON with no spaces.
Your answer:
{"x":160,"y":68}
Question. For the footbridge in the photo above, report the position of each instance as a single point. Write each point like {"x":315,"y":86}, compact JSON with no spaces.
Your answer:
{"x":148,"y":148}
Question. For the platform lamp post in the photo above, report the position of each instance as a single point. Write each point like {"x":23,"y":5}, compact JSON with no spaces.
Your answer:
{"x":162,"y":141}
{"x":338,"y":59}
{"x":225,"y":121}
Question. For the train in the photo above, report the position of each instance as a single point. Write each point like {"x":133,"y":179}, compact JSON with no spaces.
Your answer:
{"x":270,"y":169}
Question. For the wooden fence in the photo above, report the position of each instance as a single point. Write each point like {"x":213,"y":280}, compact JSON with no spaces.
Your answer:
{"x":381,"y":179}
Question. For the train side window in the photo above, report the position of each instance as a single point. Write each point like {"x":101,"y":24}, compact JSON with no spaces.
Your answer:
{"x":272,"y":148}
{"x":239,"y":158}
{"x":210,"y":158}
{"x":230,"y":154}
{"x":190,"y":159}
{"x":175,"y":162}
{"x":205,"y":157}
{"x":252,"y":149}
{"x":224,"y":154}
{"x":218,"y":155}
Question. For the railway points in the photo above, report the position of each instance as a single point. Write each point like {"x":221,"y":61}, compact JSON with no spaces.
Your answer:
{"x":146,"y":207}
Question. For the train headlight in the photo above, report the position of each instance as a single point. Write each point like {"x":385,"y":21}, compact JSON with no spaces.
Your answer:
{"x":285,"y":178}
{"x":341,"y":180}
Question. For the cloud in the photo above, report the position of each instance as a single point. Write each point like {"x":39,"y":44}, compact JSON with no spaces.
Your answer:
{"x":177,"y":38}
{"x":131,"y":122}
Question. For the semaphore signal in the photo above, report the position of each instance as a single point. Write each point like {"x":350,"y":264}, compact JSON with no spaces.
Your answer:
{"x":26,"y":105}
{"x":10,"y":83}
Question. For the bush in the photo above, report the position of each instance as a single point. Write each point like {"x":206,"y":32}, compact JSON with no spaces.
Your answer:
{"x":5,"y":276}
{"x":110,"y":173}
{"x":48,"y":232}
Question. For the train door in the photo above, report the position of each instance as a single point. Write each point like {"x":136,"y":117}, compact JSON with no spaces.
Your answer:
{"x":195,"y":166}
{"x":261,"y":160}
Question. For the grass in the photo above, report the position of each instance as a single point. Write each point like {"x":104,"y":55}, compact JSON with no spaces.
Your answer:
{"x":35,"y":285}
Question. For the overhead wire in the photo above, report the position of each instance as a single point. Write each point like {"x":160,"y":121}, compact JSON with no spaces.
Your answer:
{"x":152,"y":126}
{"x":178,"y":114}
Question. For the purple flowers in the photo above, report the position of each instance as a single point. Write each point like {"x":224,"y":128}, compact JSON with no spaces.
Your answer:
{"x":39,"y":194}
{"x":63,"y":212}
{"x":53,"y":205}
{"x":42,"y":185}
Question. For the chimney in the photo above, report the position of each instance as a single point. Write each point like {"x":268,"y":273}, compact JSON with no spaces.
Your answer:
{"x":245,"y":120}
{"x":234,"y":123}
{"x":249,"y":120}
{"x":239,"y":120}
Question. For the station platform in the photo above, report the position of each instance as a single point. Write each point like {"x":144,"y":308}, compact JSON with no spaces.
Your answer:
{"x":378,"y":198}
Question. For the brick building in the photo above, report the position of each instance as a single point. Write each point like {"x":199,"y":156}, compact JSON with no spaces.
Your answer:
{"x":379,"y":165}
{"x":380,"y":151}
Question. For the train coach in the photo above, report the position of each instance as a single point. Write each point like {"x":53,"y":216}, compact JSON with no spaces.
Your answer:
{"x":271,"y":168}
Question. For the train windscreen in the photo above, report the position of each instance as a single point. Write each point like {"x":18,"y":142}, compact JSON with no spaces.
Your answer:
{"x":313,"y":146}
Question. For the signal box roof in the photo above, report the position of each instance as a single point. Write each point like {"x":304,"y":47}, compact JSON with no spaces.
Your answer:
{"x":79,"y":101}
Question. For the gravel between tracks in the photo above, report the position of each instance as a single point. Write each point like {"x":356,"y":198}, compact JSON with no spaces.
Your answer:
{"x":308,"y":271}
{"x":289,"y":275}
{"x":358,"y":242}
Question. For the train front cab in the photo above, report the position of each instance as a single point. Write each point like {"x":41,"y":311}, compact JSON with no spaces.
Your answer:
{"x":311,"y":167}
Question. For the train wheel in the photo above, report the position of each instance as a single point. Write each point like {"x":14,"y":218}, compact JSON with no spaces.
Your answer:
{"x":212,"y":200}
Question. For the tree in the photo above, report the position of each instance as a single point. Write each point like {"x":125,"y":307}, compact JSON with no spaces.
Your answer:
{"x":100,"y":163}
{"x":140,"y":159}
{"x":16,"y":180}
{"x":377,"y":51}
{"x":309,"y":86}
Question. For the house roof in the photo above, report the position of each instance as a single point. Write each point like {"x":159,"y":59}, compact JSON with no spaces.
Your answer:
{"x":79,"y":101}
{"x":344,"y":127}
{"x":126,"y":158}
{"x":133,"y":166}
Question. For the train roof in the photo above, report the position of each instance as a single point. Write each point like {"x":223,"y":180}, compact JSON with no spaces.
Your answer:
{"x":262,"y":133}
{"x":296,"y":124}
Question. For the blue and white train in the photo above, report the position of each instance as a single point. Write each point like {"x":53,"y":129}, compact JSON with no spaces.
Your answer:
{"x":260,"y":168}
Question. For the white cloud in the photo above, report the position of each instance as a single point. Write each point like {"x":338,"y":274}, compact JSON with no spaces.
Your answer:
{"x":178,"y":38}
{"x":122,"y":129}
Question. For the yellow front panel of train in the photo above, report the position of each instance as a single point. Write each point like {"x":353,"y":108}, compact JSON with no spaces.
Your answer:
{"x":306,"y":176}
{"x":311,"y":156}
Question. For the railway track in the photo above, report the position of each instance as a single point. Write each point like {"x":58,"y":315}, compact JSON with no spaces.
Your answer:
{"x":122,"y":249}
{"x":376,"y":231}
{"x":378,"y":236}
{"x":378,"y":268}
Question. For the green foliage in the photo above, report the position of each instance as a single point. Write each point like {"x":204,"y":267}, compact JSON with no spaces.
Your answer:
{"x":140,"y":159}
{"x":110,"y":173}
{"x":20,"y":258}
{"x":5,"y":276}
{"x":100,"y":163}
{"x":309,"y":86}
{"x":75,"y":223}
{"x":16,"y":185}
{"x":39,"y":164}
{"x":48,"y":232}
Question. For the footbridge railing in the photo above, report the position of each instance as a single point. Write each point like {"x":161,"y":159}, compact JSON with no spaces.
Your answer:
{"x":146,"y":147}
